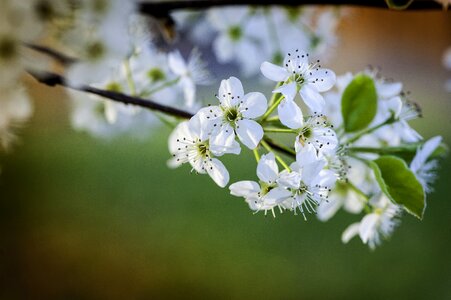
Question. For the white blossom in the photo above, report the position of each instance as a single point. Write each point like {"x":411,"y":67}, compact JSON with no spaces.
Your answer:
{"x":267,"y":194}
{"x":190,"y":73}
{"x":377,"y":225}
{"x":189,"y":143}
{"x":422,"y":166}
{"x":235,"y":115}
{"x":299,"y":75}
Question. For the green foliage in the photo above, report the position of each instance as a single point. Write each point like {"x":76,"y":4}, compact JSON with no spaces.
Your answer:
{"x":399,"y":183}
{"x":398,"y":4}
{"x":359,"y":103}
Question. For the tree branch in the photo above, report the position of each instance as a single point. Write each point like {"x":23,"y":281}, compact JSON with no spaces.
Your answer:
{"x":60,"y":57}
{"x":163,"y":8}
{"x":53,"y":79}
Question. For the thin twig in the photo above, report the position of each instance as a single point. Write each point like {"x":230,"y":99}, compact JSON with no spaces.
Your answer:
{"x":60,"y":57}
{"x":53,"y":79}
{"x":162,"y":8}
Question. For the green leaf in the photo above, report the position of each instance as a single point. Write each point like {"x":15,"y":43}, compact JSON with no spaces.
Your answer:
{"x":359,"y":103}
{"x":398,"y":4}
{"x":399,"y":183}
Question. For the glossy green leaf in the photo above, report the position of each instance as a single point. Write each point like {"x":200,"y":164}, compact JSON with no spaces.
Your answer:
{"x":359,"y":103}
{"x":399,"y":183}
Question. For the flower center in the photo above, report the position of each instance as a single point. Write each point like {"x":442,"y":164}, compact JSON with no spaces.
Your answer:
{"x":203,"y":149}
{"x":305,"y":134}
{"x":232,"y":114}
{"x":155,"y":75}
{"x":7,"y":48}
{"x":95,"y":50}
{"x":114,"y":87}
{"x":265,"y":188}
{"x":235,"y":33}
{"x":299,"y":78}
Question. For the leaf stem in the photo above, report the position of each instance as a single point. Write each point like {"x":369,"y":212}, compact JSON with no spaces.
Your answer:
{"x":256,"y":154}
{"x":370,"y":130}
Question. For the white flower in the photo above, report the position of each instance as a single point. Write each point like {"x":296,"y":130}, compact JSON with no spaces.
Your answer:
{"x":265,"y":195}
{"x":308,"y":182}
{"x":421,"y":167}
{"x":234,"y":115}
{"x":317,"y":132}
{"x":236,"y":40}
{"x":190,"y":74}
{"x":299,"y":75}
{"x":189,"y":143}
{"x":376,"y":225}
{"x":15,"y":109}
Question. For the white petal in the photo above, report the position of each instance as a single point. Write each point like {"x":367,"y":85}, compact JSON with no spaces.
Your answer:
{"x":274,"y":72}
{"x":312,"y":98}
{"x":290,"y":114}
{"x":290,"y":179}
{"x":394,"y":105}
{"x":388,"y":89}
{"x":350,"y":232}
{"x":254,"y":105}
{"x":222,"y":140}
{"x":177,"y":63}
{"x":276,"y":195}
{"x":244,"y":188}
{"x":249,"y":132}
{"x":327,"y":210}
{"x":110,"y":112}
{"x":189,"y":91}
{"x":267,"y":169}
{"x":424,"y":152}
{"x":368,"y":227}
{"x":322,"y":79}
{"x":217,"y":172}
{"x":223,"y":48}
{"x":287,"y":90}
{"x":230,"y":92}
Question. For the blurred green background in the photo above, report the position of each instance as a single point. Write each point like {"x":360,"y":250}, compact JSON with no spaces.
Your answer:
{"x":82,"y":218}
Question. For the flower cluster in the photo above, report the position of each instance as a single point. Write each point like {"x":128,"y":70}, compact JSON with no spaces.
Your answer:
{"x":352,"y":146}
{"x":247,"y":36}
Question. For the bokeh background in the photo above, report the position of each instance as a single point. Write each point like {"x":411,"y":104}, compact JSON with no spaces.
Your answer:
{"x":82,"y":218}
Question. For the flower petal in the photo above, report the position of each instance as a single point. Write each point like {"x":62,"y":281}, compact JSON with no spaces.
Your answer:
{"x":177,"y":63}
{"x":244,"y":188}
{"x":217,"y":172}
{"x":367,"y":227}
{"x":230,"y":92}
{"x":322,"y":79}
{"x":350,"y":232}
{"x":274,"y":72}
{"x":223,"y":48}
{"x":249,"y":132}
{"x":388,"y":89}
{"x":290,"y":114}
{"x":267,"y":169}
{"x":223,"y":141}
{"x":287,"y":90}
{"x":254,"y":105}
{"x":276,"y":195}
{"x":327,"y":210}
{"x":312,"y":98}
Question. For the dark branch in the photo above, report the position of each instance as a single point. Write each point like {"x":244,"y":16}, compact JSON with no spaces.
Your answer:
{"x":163,"y":8}
{"x":62,"y":58}
{"x":282,"y":149}
{"x":52,"y":79}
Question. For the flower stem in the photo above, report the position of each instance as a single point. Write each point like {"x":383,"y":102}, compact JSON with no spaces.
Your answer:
{"x":273,"y":105}
{"x":161,"y":87}
{"x":280,"y":147}
{"x":256,"y":154}
{"x":370,"y":130}
{"x":279,"y":159}
{"x":129,"y":76}
{"x":281,"y":130}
